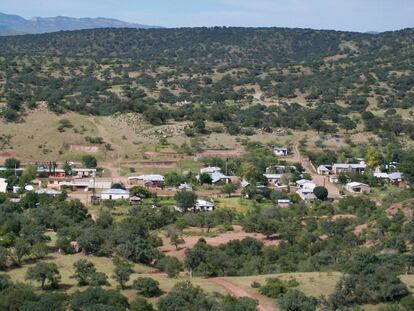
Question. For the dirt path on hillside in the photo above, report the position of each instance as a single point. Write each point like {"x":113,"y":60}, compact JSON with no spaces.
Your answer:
{"x":240,"y":292}
{"x":319,"y":180}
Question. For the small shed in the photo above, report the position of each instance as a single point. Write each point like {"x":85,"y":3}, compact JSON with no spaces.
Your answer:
{"x":324,"y":170}
{"x":283,"y":203}
{"x":50,"y":192}
{"x":357,"y":187}
{"x":280,"y":151}
{"x":202,"y":205}
{"x":135,"y":199}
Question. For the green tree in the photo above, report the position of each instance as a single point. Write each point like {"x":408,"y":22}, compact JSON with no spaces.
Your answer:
{"x":170,"y":265}
{"x":140,"y":191}
{"x":105,"y":218}
{"x":347,"y":124}
{"x":147,"y":286}
{"x":4,"y":257}
{"x":28,"y":175}
{"x":83,"y":270}
{"x":11,"y":163}
{"x":122,"y":271}
{"x":406,"y":166}
{"x":229,"y":189}
{"x":199,"y":126}
{"x":274,"y":288}
{"x":141,"y":304}
{"x":96,"y":298}
{"x":89,"y":161}
{"x":42,"y":272}
{"x":372,"y":157}
{"x":185,"y":199}
{"x":295,"y":300}
{"x":39,"y":250}
{"x":205,"y":178}
{"x":185,"y":297}
{"x":21,"y":249}
{"x":176,"y":239}
{"x":47,"y":302}
{"x":14,"y":297}
{"x":321,"y":193}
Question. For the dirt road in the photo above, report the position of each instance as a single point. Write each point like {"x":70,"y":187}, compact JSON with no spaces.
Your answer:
{"x":319,"y":180}
{"x":240,"y":292}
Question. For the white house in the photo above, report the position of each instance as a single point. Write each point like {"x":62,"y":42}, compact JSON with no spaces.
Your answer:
{"x":3,"y":185}
{"x":283,"y":203}
{"x":281,"y":169}
{"x":273,"y":178}
{"x":357,"y":187}
{"x":51,"y":192}
{"x":306,"y":194}
{"x":84,"y":172}
{"x":185,"y":186}
{"x":202,"y":205}
{"x":153,"y":180}
{"x":324,"y":169}
{"x":305,"y":184}
{"x":219,"y":178}
{"x":84,"y":183}
{"x":115,"y":194}
{"x":395,"y":177}
{"x":210,"y":170}
{"x":349,"y":168}
{"x":280,"y":151}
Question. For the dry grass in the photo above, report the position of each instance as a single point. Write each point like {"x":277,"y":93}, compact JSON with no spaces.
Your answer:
{"x":311,"y":283}
{"x":104,"y":264}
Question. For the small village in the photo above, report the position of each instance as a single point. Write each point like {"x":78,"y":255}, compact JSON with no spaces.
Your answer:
{"x":207,"y":155}
{"x":87,"y":183}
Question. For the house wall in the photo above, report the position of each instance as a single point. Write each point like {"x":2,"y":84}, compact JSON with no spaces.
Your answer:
{"x":359,"y":189}
{"x":3,"y":187}
{"x":114,"y":196}
{"x":138,"y":182}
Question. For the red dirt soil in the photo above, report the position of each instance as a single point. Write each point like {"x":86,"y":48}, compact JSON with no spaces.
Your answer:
{"x":401,"y":206}
{"x":223,"y":238}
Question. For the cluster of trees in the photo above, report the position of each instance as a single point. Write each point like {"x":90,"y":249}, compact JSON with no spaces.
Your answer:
{"x":17,"y":296}
{"x":368,"y":279}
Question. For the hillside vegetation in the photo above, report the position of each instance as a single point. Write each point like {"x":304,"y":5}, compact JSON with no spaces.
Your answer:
{"x":243,"y":78}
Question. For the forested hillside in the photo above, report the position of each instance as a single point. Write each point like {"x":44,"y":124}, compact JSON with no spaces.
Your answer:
{"x":244,"y":78}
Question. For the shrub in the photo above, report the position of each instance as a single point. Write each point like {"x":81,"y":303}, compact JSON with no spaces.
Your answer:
{"x":147,"y":287}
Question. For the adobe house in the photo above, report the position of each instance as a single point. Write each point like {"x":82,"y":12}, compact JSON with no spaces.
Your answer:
{"x":357,"y":187}
{"x":280,"y":151}
{"x":115,"y":194}
{"x":149,"y":181}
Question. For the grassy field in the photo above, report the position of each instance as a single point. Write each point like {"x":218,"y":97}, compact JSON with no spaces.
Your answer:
{"x":104,"y":264}
{"x":311,"y":283}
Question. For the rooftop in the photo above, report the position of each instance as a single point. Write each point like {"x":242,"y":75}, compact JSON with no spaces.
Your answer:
{"x":153,"y":177}
{"x":115,"y":191}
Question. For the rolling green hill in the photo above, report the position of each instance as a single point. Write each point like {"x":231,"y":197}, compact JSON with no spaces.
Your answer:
{"x":243,"y":78}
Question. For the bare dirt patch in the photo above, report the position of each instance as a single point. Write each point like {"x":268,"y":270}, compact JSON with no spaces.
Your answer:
{"x":83,"y":148}
{"x":360,"y":228}
{"x":221,"y":153}
{"x":402,"y":206}
{"x":240,"y":292}
{"x":223,"y":238}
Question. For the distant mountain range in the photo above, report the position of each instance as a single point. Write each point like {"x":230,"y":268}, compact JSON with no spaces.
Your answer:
{"x":17,"y":25}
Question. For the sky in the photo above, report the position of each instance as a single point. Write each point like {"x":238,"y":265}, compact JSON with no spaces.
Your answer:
{"x":350,"y":15}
